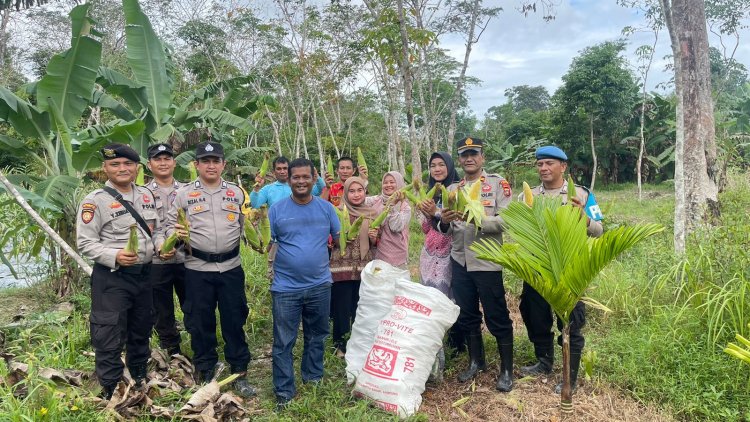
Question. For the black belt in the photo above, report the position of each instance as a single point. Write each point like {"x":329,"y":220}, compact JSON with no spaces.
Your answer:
{"x":130,"y":269}
{"x":216,"y":257}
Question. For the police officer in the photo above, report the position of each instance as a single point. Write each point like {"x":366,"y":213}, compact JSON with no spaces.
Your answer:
{"x":476,"y":280}
{"x":121,"y":297}
{"x":167,"y":277}
{"x":213,"y":271}
{"x":536,"y":312}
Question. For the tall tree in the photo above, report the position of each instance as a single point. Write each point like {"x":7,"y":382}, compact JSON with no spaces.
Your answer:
{"x":696,"y":172}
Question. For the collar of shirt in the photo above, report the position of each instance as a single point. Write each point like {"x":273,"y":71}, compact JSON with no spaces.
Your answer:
{"x":198,"y":185}
{"x":563,"y":189}
{"x":130,"y":196}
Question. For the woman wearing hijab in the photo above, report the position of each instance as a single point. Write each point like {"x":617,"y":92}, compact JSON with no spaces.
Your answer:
{"x":346,"y":269}
{"x":393,"y":236}
{"x":434,"y":262}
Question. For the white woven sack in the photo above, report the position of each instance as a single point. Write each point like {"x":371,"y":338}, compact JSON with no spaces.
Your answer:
{"x":375,"y":298}
{"x":407,"y":339}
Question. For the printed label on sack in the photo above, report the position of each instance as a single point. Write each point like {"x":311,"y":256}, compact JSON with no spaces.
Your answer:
{"x":412,"y":304}
{"x":381,"y":362}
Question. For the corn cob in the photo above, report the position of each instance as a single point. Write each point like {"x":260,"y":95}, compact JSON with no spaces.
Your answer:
{"x":329,"y":167}
{"x":192,"y":170}
{"x":183,"y":221}
{"x":444,"y":196}
{"x":475,"y":190}
{"x":132,"y":245}
{"x":409,"y":171}
{"x":411,"y":197}
{"x":460,"y":200}
{"x":361,"y":159}
{"x":431,"y":193}
{"x":380,"y":219}
{"x":353,"y":232}
{"x":169,"y":243}
{"x":450,"y":201}
{"x":528,"y":197}
{"x":571,"y":189}
{"x":252,"y":236}
{"x":346,"y":223}
{"x":263,"y":170}
{"x":264,"y":226}
{"x":245,"y":208}
{"x":140,"y":178}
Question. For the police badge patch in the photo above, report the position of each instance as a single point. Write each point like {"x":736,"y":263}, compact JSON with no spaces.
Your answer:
{"x":87,"y":213}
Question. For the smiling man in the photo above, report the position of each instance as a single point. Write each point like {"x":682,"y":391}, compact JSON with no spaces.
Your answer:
{"x":121,"y":297}
{"x":301,"y":287}
{"x":476,"y":280}
{"x":551,"y":164}
{"x":167,"y":277}
{"x":213,"y":270}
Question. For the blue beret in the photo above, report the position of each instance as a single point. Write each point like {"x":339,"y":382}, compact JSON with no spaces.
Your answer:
{"x":549,"y":151}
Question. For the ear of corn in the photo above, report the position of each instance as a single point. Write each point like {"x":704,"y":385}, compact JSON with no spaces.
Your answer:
{"x":361,"y":159}
{"x":264,"y":226}
{"x":346,"y":223}
{"x":140,"y":178}
{"x":444,"y":195}
{"x":431,"y":193}
{"x":571,"y":189}
{"x":460,"y":200}
{"x":263,"y":170}
{"x":183,"y":221}
{"x":411,"y":197}
{"x":132,"y":245}
{"x":528,"y":197}
{"x":475,"y":190}
{"x":169,"y":243}
{"x":192,"y":170}
{"x":378,"y":221}
{"x":409,"y":170}
{"x":245,"y":208}
{"x":353,"y":232}
{"x":329,"y":167}
{"x":450,"y":201}
{"x":252,"y":236}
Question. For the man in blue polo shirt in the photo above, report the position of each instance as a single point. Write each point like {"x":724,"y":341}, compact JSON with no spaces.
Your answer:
{"x":278,"y":190}
{"x":301,"y":286}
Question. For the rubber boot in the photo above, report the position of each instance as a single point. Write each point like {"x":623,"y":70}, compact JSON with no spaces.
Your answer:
{"x":456,"y":341}
{"x":505,"y":379}
{"x":242,"y":386}
{"x":107,"y":391}
{"x":204,"y":376}
{"x":575,"y":363}
{"x":476,"y":358}
{"x":138,"y":373}
{"x":545,"y":359}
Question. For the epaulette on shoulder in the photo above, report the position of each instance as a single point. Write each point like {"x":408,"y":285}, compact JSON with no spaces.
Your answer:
{"x":95,"y":192}
{"x":584,"y":188}
{"x":146,"y":189}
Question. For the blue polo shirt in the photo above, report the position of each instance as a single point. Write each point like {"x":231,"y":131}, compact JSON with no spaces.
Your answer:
{"x":301,"y":233}
{"x":276,"y":191}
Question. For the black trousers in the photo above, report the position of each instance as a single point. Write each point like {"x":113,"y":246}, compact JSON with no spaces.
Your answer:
{"x":537,"y":316}
{"x":344,"y":299}
{"x":167,"y":279}
{"x":121,"y":317}
{"x":471,"y":287}
{"x":203,"y":292}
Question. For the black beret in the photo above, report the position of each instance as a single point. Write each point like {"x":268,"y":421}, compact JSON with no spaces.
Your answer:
{"x":157,"y":149}
{"x":112,"y":151}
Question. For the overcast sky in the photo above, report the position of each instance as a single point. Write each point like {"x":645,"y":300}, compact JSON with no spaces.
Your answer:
{"x":518,"y":50}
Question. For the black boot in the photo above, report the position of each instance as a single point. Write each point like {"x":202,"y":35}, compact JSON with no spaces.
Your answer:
{"x":107,"y":391}
{"x":456,"y":341}
{"x":204,"y":376}
{"x":545,"y":357}
{"x":242,"y":386}
{"x":575,"y":363}
{"x":505,"y":379}
{"x":476,"y":358}
{"x":138,"y":373}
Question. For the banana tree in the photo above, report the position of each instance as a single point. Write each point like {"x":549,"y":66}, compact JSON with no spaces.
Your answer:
{"x":553,"y":254}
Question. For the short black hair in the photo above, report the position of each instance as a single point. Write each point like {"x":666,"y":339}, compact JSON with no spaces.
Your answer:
{"x":279,"y":160}
{"x":302,"y":162}
{"x":344,"y":158}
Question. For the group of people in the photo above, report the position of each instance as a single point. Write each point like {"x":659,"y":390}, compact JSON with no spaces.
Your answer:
{"x":313,"y":281}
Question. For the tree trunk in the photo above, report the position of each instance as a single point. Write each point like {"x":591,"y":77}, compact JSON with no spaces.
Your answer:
{"x":46,"y":227}
{"x":696,"y":190}
{"x":406,"y":74}
{"x":566,"y":395}
{"x":593,"y":152}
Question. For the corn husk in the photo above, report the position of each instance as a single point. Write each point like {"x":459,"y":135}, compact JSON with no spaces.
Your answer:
{"x":353,"y":231}
{"x":431,"y":193}
{"x":361,"y":159}
{"x":528,"y":197}
{"x":183,"y":221}
{"x":245,"y":208}
{"x":207,"y":394}
{"x":571,"y":189}
{"x":264,"y":226}
{"x":140,"y":177}
{"x":474,"y":191}
{"x":192,"y":170}
{"x":263,"y":170}
{"x":169,"y":243}
{"x":132,"y":245}
{"x":329,"y":167}
{"x":252,"y":236}
{"x":378,"y":221}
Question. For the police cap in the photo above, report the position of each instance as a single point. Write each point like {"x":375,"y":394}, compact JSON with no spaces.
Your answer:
{"x":157,"y":149}
{"x":209,"y":149}
{"x":469,"y":144}
{"x":115,"y":150}
{"x":550,"y":151}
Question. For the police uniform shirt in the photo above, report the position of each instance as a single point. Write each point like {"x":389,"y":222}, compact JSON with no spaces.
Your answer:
{"x":215,"y":221}
{"x":103,"y":225}
{"x":164,"y":196}
{"x":495,"y":195}
{"x":595,"y":228}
